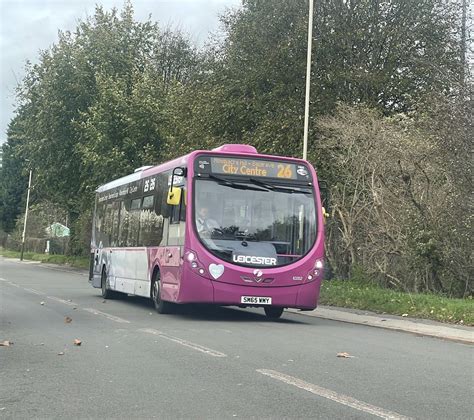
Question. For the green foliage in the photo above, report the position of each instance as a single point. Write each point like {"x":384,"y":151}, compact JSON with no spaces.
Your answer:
{"x":386,"y":55}
{"x":13,"y":178}
{"x":72,"y":261}
{"x":363,"y":295}
{"x":392,"y":203}
{"x":93,"y":109}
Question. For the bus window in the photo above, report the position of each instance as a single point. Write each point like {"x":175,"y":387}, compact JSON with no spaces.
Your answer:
{"x":115,"y":217}
{"x":151,"y":223}
{"x":161,"y":207}
{"x":148,"y":202}
{"x":136,"y":204}
{"x":134,"y":223}
{"x":124,"y":222}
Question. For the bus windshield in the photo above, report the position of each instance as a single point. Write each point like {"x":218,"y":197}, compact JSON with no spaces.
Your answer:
{"x":254,"y":223}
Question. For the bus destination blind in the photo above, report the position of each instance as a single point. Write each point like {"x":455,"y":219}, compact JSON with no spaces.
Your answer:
{"x":254,"y":168}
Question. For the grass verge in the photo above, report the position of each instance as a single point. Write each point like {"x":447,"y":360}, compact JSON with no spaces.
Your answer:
{"x":356,"y":295}
{"x":77,"y":262}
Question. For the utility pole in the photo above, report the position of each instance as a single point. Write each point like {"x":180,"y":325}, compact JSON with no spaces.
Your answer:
{"x":26,"y":217}
{"x":308,"y":80}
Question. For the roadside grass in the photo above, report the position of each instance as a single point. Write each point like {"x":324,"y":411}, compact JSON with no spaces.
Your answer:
{"x":77,"y":262}
{"x":360,"y":295}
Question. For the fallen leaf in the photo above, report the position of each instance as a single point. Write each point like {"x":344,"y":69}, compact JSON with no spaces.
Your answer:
{"x":74,"y":307}
{"x":61,"y":353}
{"x":6,"y":343}
{"x":68,"y":320}
{"x":77,"y":342}
{"x":41,"y":303}
{"x":344,"y":355}
{"x":404,"y":315}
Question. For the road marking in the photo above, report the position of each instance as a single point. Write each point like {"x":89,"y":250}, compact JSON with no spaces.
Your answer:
{"x":106,"y":315}
{"x":13,"y":284}
{"x":66,"y":302}
{"x":334,"y":396}
{"x":36,"y":292}
{"x":185,"y":343}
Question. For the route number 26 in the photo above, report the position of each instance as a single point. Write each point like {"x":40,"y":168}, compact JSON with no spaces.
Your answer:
{"x":284,"y":171}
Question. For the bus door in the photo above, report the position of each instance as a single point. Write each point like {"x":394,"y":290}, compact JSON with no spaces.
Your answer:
{"x":171,"y":261}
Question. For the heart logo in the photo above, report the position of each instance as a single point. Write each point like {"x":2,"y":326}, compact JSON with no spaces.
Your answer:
{"x":216,"y":270}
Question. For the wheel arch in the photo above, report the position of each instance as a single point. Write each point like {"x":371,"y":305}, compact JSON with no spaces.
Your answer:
{"x":156,"y":270}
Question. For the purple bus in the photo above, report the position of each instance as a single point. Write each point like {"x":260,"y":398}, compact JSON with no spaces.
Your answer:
{"x":226,"y":226}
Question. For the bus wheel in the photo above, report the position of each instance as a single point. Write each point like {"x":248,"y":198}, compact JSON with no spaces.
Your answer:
{"x":273,"y":312}
{"x":161,"y":306}
{"x":106,"y":293}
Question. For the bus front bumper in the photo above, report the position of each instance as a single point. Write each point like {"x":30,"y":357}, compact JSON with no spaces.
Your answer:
{"x":201,"y":290}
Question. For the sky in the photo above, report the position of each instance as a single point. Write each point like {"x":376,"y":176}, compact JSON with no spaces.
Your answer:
{"x":28,"y":26}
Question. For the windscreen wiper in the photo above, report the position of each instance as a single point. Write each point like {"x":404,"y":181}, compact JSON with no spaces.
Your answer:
{"x":279,"y":189}
{"x":227,"y":183}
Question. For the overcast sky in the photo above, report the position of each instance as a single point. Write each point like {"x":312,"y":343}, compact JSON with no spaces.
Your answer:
{"x":27,"y":26}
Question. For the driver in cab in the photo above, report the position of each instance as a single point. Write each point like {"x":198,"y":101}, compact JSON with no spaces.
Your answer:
{"x":204,"y":223}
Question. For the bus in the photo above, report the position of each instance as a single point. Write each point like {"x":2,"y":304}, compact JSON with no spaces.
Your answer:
{"x":226,"y":226}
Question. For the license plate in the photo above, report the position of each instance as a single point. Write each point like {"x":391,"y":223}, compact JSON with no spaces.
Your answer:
{"x":256,"y":300}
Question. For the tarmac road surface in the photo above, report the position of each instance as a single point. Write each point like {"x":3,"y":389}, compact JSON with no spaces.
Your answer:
{"x":207,"y":362}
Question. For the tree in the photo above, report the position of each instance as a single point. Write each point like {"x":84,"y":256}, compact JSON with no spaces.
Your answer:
{"x":94,"y":107}
{"x":13,"y":178}
{"x":397,"y":211}
{"x":386,"y":55}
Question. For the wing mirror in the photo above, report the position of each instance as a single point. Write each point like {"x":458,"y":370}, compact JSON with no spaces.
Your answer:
{"x":174,"y":196}
{"x":174,"y":193}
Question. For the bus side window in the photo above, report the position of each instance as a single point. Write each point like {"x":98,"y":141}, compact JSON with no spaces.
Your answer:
{"x":98,"y":222}
{"x":182,"y":207}
{"x":115,"y":223}
{"x":134,"y":223}
{"x":151,"y":224}
{"x":124,"y":222}
{"x":161,"y":208}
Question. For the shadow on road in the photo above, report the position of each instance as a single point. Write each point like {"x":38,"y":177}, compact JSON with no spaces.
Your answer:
{"x":203,"y":312}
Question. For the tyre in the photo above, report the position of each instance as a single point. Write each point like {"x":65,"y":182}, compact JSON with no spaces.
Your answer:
{"x":273,"y":312}
{"x":106,"y":292}
{"x":161,"y":306}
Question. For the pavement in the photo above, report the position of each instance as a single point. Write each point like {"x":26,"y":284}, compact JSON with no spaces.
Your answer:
{"x":461,"y":334}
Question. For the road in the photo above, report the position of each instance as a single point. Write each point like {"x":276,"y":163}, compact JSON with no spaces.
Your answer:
{"x":204,"y":362}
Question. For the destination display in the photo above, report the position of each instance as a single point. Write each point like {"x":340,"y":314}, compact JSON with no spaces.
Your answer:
{"x":251,"y":168}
